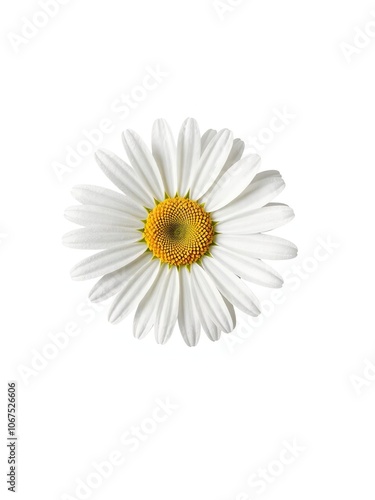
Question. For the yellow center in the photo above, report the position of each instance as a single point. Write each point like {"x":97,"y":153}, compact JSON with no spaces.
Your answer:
{"x":178,"y":231}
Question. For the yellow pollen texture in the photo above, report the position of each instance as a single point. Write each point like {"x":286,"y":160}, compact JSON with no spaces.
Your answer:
{"x":178,"y":231}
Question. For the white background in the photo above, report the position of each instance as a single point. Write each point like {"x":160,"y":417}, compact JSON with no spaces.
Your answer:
{"x":292,"y":377}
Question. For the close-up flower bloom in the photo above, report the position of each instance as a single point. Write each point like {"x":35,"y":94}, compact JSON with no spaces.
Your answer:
{"x":184,"y":235}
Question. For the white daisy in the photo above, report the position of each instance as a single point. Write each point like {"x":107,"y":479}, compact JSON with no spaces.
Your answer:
{"x":179,"y":242}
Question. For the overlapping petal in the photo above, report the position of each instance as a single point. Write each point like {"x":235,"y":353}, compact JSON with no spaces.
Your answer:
{"x":93,"y":215}
{"x":143,"y":163}
{"x":106,"y":261}
{"x":188,"y":154}
{"x":271,"y":216}
{"x":149,"y":306}
{"x":207,"y":137}
{"x":211,"y":300}
{"x":261,"y":191}
{"x":231,"y":183}
{"x":124,"y":177}
{"x":112,"y":282}
{"x":259,"y":246}
{"x":103,"y":197}
{"x":188,"y":320}
{"x":232,"y":287}
{"x":98,"y":237}
{"x":211,"y":162}
{"x":164,"y":152}
{"x":248,"y":268}
{"x":167,"y":313}
{"x":128,"y":298}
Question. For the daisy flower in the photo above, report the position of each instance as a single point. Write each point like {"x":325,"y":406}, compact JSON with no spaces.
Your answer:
{"x":185,"y":234}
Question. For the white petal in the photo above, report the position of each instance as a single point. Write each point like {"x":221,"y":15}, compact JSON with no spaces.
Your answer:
{"x":164,"y":152}
{"x":106,"y":261}
{"x":111,"y":283}
{"x":263,"y":219}
{"x":143,"y":163}
{"x":207,"y":137}
{"x":232,"y":287}
{"x":232,"y":183}
{"x":134,"y":290}
{"x":211,"y":162}
{"x":270,"y":179}
{"x":212,"y":331}
{"x":167,"y":313}
{"x":188,"y":154}
{"x":91,"y":215}
{"x":124,"y":177}
{"x":98,"y":237}
{"x":248,"y":268}
{"x":231,"y":310}
{"x":256,"y":195}
{"x":147,"y":310}
{"x":259,"y":246}
{"x":266,"y":174}
{"x":187,"y":315}
{"x":210,"y":298}
{"x":234,"y":155}
{"x":95,"y":195}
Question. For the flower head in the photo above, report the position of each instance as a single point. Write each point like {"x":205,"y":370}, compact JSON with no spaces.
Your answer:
{"x":184,"y":234}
